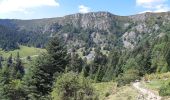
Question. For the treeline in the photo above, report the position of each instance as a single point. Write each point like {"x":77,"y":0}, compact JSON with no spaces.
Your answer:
{"x":10,"y":39}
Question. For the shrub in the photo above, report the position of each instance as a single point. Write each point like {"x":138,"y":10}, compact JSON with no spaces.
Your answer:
{"x":157,"y":76}
{"x":127,"y":77}
{"x":28,"y":58}
{"x":165,"y":89}
{"x":71,"y":86}
{"x":107,"y":94}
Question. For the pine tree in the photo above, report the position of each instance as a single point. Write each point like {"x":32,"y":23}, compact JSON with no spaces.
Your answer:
{"x":97,"y":68}
{"x":19,"y":65}
{"x":10,"y":87}
{"x":5,"y":79}
{"x":58,"y":53}
{"x":0,"y":62}
{"x":111,"y":66}
{"x":9,"y":61}
{"x":18,"y":68}
{"x":76,"y":63}
{"x":40,"y":77}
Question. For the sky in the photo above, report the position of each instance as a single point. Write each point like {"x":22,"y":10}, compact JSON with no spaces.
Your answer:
{"x":36,"y":9}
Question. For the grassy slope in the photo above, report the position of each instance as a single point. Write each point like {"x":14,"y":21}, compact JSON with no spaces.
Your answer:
{"x":24,"y":51}
{"x":103,"y":88}
{"x":124,"y":93}
{"x":156,"y":81}
{"x":115,"y":93}
{"x":154,"y":84}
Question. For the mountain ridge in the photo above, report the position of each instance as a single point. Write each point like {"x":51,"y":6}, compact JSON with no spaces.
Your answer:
{"x":102,"y":28}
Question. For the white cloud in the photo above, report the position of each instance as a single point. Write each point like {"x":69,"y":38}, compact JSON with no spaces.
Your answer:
{"x":153,"y":5}
{"x":7,"y":6}
{"x":149,"y":3}
{"x":83,"y":9}
{"x":162,"y":8}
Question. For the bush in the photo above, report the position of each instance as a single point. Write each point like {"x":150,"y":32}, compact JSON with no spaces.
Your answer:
{"x":156,"y":76}
{"x":127,"y":77}
{"x":71,"y":86}
{"x":107,"y":94}
{"x":28,"y":58}
{"x":165,"y":89}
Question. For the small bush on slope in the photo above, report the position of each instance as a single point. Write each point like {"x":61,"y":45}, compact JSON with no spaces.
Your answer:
{"x":71,"y":86}
{"x":165,"y":89}
{"x":127,"y":77}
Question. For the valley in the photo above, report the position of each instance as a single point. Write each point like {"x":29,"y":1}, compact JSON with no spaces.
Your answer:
{"x":91,"y":56}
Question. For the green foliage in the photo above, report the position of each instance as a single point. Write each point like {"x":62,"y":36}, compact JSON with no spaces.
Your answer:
{"x":97,"y":67}
{"x":24,"y":51}
{"x":40,"y":77}
{"x":10,"y":38}
{"x":112,"y":71}
{"x":107,"y":94}
{"x":16,"y":90}
{"x":131,"y":64}
{"x":58,"y":55}
{"x":76,"y":63}
{"x":165,"y":89}
{"x":71,"y":86}
{"x":11,"y":87}
{"x":157,"y":76}
{"x":103,"y":88}
{"x":160,"y":55}
{"x":19,"y":68}
{"x":129,"y":76}
{"x":150,"y":53}
{"x":9,"y":61}
{"x":0,"y":62}
{"x":38,"y":80}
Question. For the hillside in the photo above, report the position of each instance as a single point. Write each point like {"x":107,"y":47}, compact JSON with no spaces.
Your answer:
{"x":142,"y":37}
{"x":92,"y":29}
{"x":87,"y":32}
{"x":83,"y":54}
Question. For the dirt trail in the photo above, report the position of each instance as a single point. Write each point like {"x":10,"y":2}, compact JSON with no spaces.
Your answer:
{"x":149,"y":95}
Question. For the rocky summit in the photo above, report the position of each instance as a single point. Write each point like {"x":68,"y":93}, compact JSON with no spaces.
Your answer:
{"x":93,"y":29}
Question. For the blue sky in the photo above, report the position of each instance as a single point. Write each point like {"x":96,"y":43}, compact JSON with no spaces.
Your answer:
{"x":34,"y":9}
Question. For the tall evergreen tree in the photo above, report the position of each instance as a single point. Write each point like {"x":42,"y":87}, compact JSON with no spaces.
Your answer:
{"x":111,"y":66}
{"x":98,"y":68}
{"x":10,"y":87}
{"x":0,"y":62}
{"x":58,"y":54}
{"x":76,"y":63}
{"x":5,"y":79}
{"x":40,"y":77}
{"x":18,"y":68}
{"x":9,"y":61}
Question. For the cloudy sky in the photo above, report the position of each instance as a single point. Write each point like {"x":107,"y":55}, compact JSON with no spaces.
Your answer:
{"x":33,"y":9}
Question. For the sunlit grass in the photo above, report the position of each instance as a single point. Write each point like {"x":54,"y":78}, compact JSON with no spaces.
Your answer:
{"x":155,"y":84}
{"x":110,"y":91}
{"x":24,"y":51}
{"x":103,"y":88}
